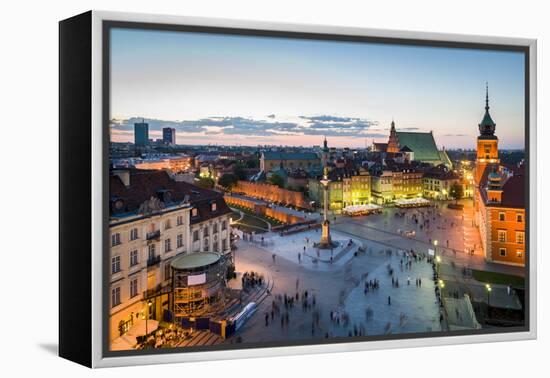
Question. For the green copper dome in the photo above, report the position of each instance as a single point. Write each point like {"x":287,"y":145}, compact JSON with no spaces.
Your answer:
{"x":487,"y":125}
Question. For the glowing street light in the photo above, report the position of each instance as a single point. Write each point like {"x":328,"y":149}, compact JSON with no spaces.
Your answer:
{"x":489,"y":288}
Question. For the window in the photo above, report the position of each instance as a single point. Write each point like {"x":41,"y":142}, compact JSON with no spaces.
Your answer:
{"x":213,"y":207}
{"x":115,"y":296}
{"x":519,"y":237}
{"x":179,"y":220}
{"x":519,"y":218}
{"x":206,"y":245}
{"x":151,"y":251}
{"x":502,"y":236}
{"x":115,"y":239}
{"x":167,"y":271}
{"x":194,"y":212}
{"x":215,"y":247}
{"x":224,"y":225}
{"x":115,"y":264}
{"x":179,"y":241}
{"x":206,"y":231}
{"x":133,"y":234}
{"x":133,"y":288}
{"x":167,"y":224}
{"x":502,"y":217}
{"x":167,"y":245}
{"x":224,"y":244}
{"x":519,"y":254}
{"x":502,"y":252}
{"x":134,"y":257}
{"x":195,"y":235}
{"x":215,"y":228}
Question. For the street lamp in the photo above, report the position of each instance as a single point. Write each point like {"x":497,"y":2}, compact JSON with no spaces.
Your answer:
{"x":149,"y":304}
{"x":489,"y":288}
{"x":441,"y":284}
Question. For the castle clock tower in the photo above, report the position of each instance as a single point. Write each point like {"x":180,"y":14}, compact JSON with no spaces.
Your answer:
{"x":487,"y":142}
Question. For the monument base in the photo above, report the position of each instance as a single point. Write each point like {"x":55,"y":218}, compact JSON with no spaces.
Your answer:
{"x":326,"y":241}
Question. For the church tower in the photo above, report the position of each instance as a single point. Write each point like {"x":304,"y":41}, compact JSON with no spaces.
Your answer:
{"x":487,"y":142}
{"x":393,"y":143}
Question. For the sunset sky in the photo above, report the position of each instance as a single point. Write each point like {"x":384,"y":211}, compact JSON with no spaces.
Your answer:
{"x":221,"y":89}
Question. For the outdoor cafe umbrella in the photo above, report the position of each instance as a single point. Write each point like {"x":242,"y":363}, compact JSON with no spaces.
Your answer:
{"x":143,"y":327}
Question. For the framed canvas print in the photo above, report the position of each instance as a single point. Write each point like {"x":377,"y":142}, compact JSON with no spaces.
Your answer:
{"x":234,"y":189}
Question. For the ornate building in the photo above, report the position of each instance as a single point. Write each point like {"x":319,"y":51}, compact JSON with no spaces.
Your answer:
{"x":152,"y":220}
{"x":499,"y":199}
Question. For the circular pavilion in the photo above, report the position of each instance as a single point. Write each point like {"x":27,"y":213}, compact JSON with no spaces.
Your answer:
{"x":198,"y":280}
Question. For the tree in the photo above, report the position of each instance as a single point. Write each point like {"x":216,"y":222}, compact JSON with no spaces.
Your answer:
{"x":276,"y":179}
{"x":457,"y":191}
{"x":228,"y":180}
{"x":205,"y":183}
{"x":239,"y":171}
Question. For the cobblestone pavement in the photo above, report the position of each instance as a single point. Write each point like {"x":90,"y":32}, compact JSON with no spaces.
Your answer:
{"x":339,"y":288}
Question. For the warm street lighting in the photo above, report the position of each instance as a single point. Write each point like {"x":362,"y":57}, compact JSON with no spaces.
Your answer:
{"x":441,"y":284}
{"x":149,"y":303}
{"x":489,"y":288}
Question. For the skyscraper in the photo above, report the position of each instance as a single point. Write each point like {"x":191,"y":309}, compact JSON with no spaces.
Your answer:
{"x":141,"y":133}
{"x":169,"y":135}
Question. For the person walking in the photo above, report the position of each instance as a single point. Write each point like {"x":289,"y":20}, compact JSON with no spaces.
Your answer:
{"x":389,"y":301}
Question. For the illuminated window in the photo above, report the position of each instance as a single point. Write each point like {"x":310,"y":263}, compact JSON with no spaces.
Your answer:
{"x":520,"y":237}
{"x":194,"y":212}
{"x":501,"y":216}
{"x":502,"y":252}
{"x":502,"y":236}
{"x":519,"y":254}
{"x":214,"y":207}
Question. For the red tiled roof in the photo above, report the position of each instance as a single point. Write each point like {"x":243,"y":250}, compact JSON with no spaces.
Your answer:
{"x":145,"y":184}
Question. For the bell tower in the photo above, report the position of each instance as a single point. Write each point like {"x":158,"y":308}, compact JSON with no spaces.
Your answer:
{"x":487,"y":142}
{"x":393,"y":143}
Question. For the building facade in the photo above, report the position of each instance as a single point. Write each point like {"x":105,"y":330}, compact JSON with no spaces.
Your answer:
{"x":153,"y":219}
{"x":272,"y":161}
{"x":499,"y":200}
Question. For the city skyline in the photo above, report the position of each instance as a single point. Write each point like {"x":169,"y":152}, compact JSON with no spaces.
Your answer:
{"x":241,"y":90}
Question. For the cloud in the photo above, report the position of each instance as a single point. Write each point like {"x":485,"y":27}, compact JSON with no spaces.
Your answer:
{"x":409,"y":128}
{"x":455,"y":135}
{"x":315,"y":125}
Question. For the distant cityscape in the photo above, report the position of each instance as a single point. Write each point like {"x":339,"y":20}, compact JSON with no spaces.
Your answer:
{"x":214,"y":244}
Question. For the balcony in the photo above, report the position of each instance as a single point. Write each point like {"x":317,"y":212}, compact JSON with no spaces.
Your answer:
{"x":153,"y":235}
{"x":151,"y":261}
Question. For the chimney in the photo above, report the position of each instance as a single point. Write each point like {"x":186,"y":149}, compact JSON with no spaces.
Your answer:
{"x":123,"y":175}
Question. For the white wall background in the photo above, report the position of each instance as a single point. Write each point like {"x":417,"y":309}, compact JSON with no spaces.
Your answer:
{"x":28,"y":86}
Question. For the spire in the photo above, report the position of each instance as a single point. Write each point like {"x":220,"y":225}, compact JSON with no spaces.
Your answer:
{"x":486,"y":96}
{"x":487,"y":125}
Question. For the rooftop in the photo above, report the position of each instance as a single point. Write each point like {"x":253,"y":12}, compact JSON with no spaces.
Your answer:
{"x":195,"y":260}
